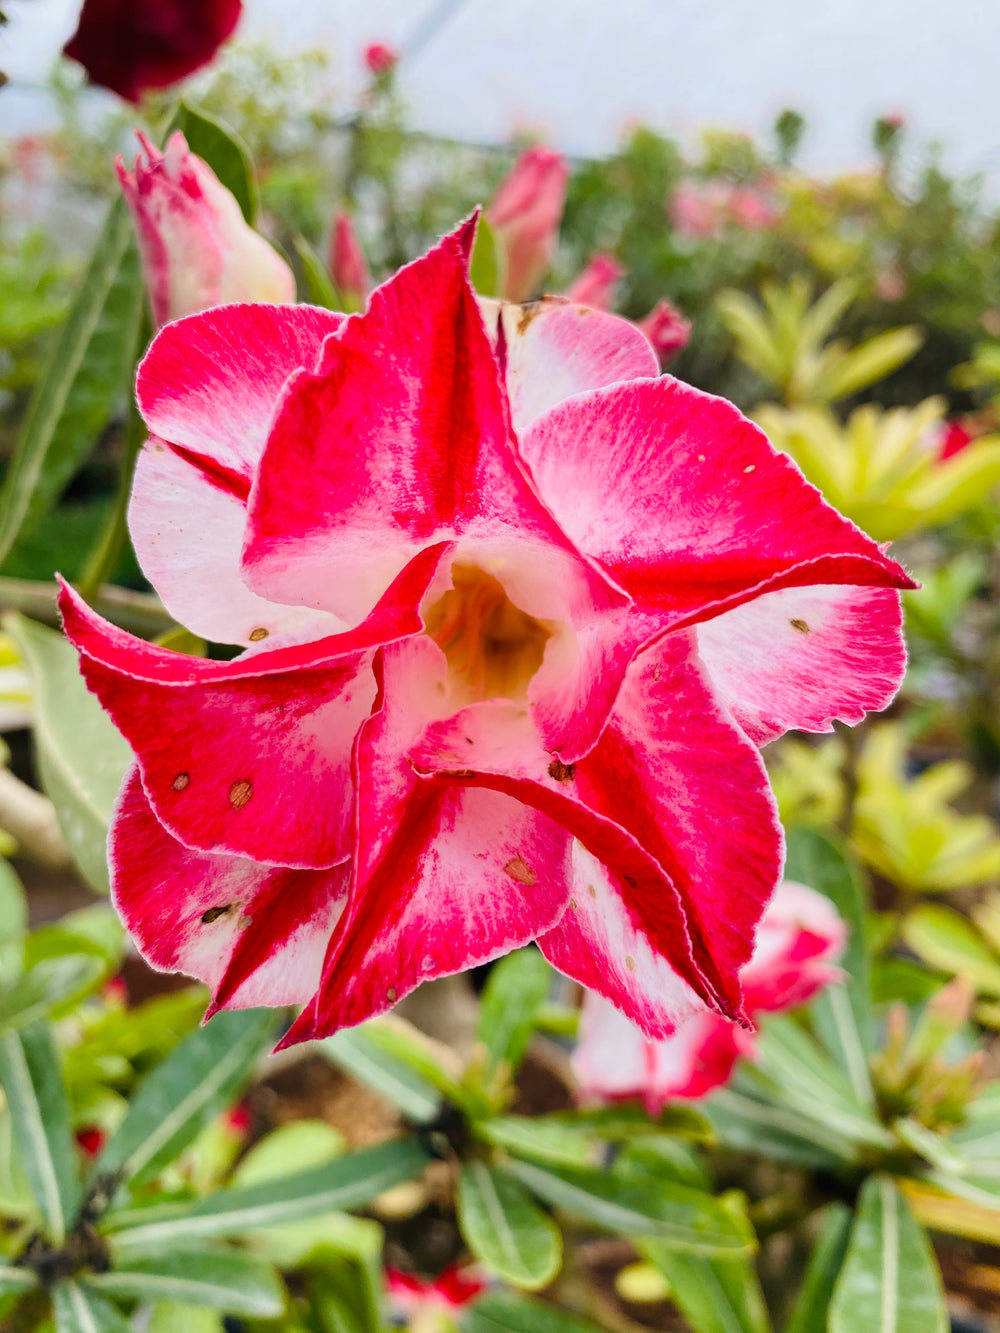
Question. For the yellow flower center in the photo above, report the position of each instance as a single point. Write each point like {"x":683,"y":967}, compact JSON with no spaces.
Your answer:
{"x":493,"y":648}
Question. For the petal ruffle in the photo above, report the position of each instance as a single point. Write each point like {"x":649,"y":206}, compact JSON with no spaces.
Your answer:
{"x":254,"y":934}
{"x":445,"y":878}
{"x":252,"y":756}
{"x":801,"y":658}
{"x":687,"y":503}
{"x":401,"y":438}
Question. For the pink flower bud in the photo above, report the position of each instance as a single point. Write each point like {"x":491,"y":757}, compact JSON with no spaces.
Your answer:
{"x":525,"y":214}
{"x":197,"y":251}
{"x":380,"y":59}
{"x":348,"y":265}
{"x":595,"y":286}
{"x":667,"y":329}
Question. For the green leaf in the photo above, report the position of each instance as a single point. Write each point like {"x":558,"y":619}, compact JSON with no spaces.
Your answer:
{"x":84,"y":381}
{"x":32,"y":1083}
{"x":13,"y":1281}
{"x":221,"y":1279}
{"x":484,"y":266}
{"x":81,"y":756}
{"x":627,"y":1120}
{"x":319,"y":288}
{"x":517,"y":987}
{"x":224,"y":152}
{"x":890,"y":1281}
{"x":175,"y":1317}
{"x":200,"y":1078}
{"x":659,"y":1208}
{"x":350,"y":1182}
{"x":813,"y":1305}
{"x":714,"y":1295}
{"x":748,"y":1120}
{"x":354,"y":1051}
{"x":300,"y":1143}
{"x":539,"y":1138}
{"x":504,"y":1312}
{"x":505,"y":1230}
{"x":78,"y":1310}
{"x":34,"y":994}
{"x":947,"y":941}
{"x":13,"y":921}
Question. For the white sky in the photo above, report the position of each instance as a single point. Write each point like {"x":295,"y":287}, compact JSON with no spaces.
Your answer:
{"x":581,"y":70}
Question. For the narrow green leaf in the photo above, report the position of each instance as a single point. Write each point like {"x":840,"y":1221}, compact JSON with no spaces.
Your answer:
{"x":659,"y":1208}
{"x":176,"y":1317}
{"x":86,"y":378}
{"x":353,"y":1051}
{"x":749,"y":1121}
{"x":484,"y":266}
{"x":812,"y":1308}
{"x":200,"y":1077}
{"x":505,"y":1230}
{"x":78,"y":1310}
{"x":889,"y":1282}
{"x":947,"y":941}
{"x":539,"y":1138}
{"x":505,"y":1312}
{"x":13,"y":922}
{"x":81,"y":756}
{"x":224,"y":152}
{"x":319,"y":288}
{"x":13,"y":1281}
{"x":222,"y":1279}
{"x":517,"y":987}
{"x":32,"y":1083}
{"x":52,"y":981}
{"x":714,"y":1295}
{"x":349,"y":1182}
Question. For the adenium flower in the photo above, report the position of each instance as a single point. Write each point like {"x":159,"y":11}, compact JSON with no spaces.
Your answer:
{"x":667,"y":329}
{"x":348,"y":266}
{"x":517,"y":613}
{"x":130,"y":46}
{"x":452,"y":1289}
{"x":595,"y":286}
{"x":525,"y":214}
{"x":197,"y":250}
{"x":800,"y":938}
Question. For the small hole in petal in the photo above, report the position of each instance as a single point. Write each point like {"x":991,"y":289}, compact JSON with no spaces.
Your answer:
{"x":181,"y":781}
{"x":800,"y":626}
{"x":630,"y":962}
{"x":239,"y":793}
{"x":214,"y":913}
{"x":257,"y":634}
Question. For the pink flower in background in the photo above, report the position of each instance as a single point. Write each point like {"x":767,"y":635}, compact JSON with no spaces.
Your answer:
{"x":517,"y":612}
{"x":800,"y":939}
{"x":595,"y":287}
{"x":454,"y":1288}
{"x":751,"y":209}
{"x":525,"y":214}
{"x":667,"y":329}
{"x":130,"y":46}
{"x":380,"y":59}
{"x":348,"y":266}
{"x":952,"y":437}
{"x":197,"y":250}
{"x":703,"y":210}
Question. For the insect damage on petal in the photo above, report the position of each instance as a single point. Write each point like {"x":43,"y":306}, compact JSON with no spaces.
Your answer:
{"x":240,"y":793}
{"x":181,"y":781}
{"x":801,"y":626}
{"x":518,"y":869}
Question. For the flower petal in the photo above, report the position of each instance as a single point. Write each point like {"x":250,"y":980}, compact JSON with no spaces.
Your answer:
{"x":398,"y":440}
{"x":259,"y":931}
{"x":445,"y":878}
{"x":799,"y":658}
{"x":251,"y":756}
{"x":686,"y":502}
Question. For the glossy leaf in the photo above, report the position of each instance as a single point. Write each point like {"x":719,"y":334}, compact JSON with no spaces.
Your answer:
{"x":79,"y":1310}
{"x":714,"y":1295}
{"x":948,"y":942}
{"x":688,"y":1218}
{"x":349,"y":1182}
{"x":812,"y":1308}
{"x":85,"y":380}
{"x":292,"y":1146}
{"x":52,"y":982}
{"x":201,"y":1076}
{"x":749,"y":1120}
{"x":889,"y":1282}
{"x":503,"y":1312}
{"x":81,"y":756}
{"x":517,"y":987}
{"x":506,"y":1230}
{"x":354,"y":1051}
{"x":224,"y":152}
{"x":539,"y":1139}
{"x":32,"y":1084}
{"x":222,"y":1279}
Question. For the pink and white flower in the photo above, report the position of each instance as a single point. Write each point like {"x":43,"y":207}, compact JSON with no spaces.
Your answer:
{"x":197,"y":250}
{"x":800,"y":938}
{"x":517,"y":613}
{"x":525,"y":214}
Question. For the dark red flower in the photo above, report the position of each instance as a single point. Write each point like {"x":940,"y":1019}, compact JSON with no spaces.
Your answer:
{"x":130,"y":46}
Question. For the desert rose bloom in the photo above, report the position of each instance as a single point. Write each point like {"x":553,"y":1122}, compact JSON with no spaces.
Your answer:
{"x":348,"y":266}
{"x":596,"y":284}
{"x":197,"y":250}
{"x":130,"y":46}
{"x":427,"y":1304}
{"x":525,"y":214}
{"x":518,"y":612}
{"x":380,"y":59}
{"x":667,"y":329}
{"x":801,"y":936}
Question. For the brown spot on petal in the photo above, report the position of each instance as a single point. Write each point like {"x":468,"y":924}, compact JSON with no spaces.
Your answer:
{"x":591,"y":890}
{"x":572,"y":904}
{"x":518,"y":869}
{"x":561,"y":772}
{"x":630,"y":962}
{"x":801,"y":626}
{"x":181,"y":781}
{"x":457,"y":774}
{"x":239,"y":793}
{"x":528,"y":313}
{"x":214,"y":913}
{"x":391,"y":994}
{"x":257,"y":634}
{"x":243,"y":922}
